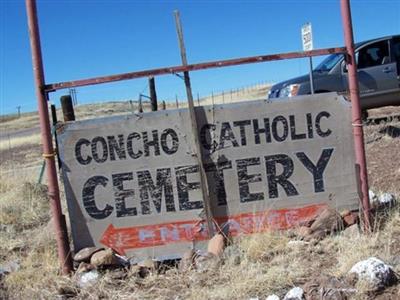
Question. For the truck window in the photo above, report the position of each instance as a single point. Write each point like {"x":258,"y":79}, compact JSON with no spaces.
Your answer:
{"x":373,"y":55}
{"x":396,"y":53}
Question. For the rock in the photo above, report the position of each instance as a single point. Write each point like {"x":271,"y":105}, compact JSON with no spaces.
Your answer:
{"x":84,"y":267}
{"x":386,"y":199}
{"x":187,"y":261}
{"x":328,"y":288}
{"x":8,"y":228}
{"x":303,"y":231}
{"x":216,"y":244}
{"x":375,"y":272}
{"x":349,"y":218}
{"x":372,"y":196}
{"x":148,"y":264}
{"x":139,"y":271}
{"x":232,"y":255}
{"x":86,"y":253}
{"x":118,"y":274}
{"x":295,"y":293}
{"x":66,"y":291}
{"x":327,"y":222}
{"x":87,"y":279}
{"x":307,"y":223}
{"x":208,"y":262}
{"x":272,"y":297}
{"x":134,"y":270}
{"x":122,"y":260}
{"x":352,"y":231}
{"x":9,"y":267}
{"x":104,"y":258}
{"x":297,"y":244}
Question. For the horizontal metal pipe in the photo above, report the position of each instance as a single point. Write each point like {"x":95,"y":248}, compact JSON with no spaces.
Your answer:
{"x":193,"y":67}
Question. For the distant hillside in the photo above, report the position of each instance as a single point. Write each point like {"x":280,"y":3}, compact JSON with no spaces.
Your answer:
{"x":88,"y":111}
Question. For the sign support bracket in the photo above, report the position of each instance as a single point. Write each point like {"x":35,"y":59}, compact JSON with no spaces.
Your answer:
{"x":203,"y":175}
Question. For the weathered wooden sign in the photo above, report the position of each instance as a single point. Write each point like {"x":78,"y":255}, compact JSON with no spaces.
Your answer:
{"x":132,"y":182}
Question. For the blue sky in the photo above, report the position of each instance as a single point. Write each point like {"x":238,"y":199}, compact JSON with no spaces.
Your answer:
{"x":83,"y":39}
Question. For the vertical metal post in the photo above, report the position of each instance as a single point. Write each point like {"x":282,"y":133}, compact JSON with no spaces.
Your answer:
{"x":60,"y":227}
{"x":195,"y":131}
{"x":153,"y":94}
{"x":54,"y":121}
{"x":356,"y":111}
{"x":67,"y":108}
{"x":140,"y":105}
{"x":311,"y":77}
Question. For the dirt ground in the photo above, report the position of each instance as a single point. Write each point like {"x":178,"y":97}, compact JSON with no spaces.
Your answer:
{"x":382,"y":145}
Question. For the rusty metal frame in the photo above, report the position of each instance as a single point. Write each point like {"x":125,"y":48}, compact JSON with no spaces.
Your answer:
{"x":192,"y":67}
{"x":42,"y":90}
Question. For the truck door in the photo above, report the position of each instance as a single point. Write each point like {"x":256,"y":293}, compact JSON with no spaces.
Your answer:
{"x":376,"y":72}
{"x":395,"y":50}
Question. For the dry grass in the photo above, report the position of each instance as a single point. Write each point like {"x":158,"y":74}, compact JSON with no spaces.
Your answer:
{"x":14,"y":142}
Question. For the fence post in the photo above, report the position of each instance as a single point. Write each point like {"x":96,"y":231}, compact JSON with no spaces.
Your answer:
{"x":54,"y":120}
{"x":67,"y":108}
{"x":153,"y":94}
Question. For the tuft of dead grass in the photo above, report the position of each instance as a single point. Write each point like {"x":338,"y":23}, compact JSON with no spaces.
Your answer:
{"x":28,"y":207}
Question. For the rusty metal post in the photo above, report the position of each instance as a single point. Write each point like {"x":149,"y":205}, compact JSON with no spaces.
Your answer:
{"x":67,"y":107}
{"x":153,"y":94}
{"x":60,"y":227}
{"x":195,"y":131}
{"x":356,"y":111}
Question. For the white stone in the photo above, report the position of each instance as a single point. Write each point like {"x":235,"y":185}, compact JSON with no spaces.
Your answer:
{"x":256,"y":298}
{"x":272,"y":297}
{"x":295,"y":243}
{"x":374,"y":271}
{"x":386,"y":198}
{"x":9,"y":267}
{"x":295,"y":293}
{"x":88,"y":278}
{"x":372,"y":196}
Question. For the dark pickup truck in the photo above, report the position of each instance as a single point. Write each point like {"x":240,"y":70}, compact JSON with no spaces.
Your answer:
{"x":378,"y":64}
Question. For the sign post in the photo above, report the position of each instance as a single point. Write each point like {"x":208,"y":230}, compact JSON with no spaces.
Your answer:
{"x":306,"y":36}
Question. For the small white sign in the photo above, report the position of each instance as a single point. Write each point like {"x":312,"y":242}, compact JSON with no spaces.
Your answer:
{"x":306,"y":37}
